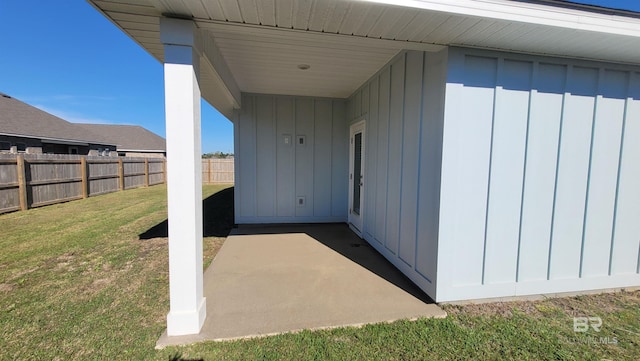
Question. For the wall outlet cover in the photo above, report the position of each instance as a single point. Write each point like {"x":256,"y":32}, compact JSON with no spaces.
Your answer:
{"x":300,"y":201}
{"x":301,"y":140}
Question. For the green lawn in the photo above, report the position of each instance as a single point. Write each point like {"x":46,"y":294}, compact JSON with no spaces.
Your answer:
{"x":79,"y":282}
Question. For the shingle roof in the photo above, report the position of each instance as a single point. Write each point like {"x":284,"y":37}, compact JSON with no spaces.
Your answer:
{"x":20,"y":119}
{"x":128,"y":137}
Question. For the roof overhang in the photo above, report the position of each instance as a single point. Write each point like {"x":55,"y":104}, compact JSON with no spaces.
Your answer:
{"x":55,"y":140}
{"x":142,"y":150}
{"x":257,"y":46}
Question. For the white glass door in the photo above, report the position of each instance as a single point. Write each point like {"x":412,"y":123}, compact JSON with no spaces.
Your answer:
{"x":356,"y":176}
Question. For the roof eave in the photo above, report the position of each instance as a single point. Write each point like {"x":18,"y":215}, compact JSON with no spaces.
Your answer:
{"x":57,"y":140}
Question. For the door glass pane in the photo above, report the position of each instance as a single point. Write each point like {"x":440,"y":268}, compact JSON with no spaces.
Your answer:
{"x":357,"y":171}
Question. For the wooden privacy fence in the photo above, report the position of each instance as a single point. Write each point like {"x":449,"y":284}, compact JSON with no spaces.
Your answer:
{"x":216,"y":171}
{"x":34,"y":180}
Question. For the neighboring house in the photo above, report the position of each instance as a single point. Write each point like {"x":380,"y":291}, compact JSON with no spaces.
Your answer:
{"x":485,"y":148}
{"x":27,"y":129}
{"x":131,"y":140}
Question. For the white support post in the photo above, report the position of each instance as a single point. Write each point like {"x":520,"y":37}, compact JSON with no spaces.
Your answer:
{"x":184,"y":176}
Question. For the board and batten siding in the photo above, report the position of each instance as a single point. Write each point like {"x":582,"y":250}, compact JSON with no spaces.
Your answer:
{"x":402,"y":106}
{"x":540,"y":176}
{"x":272,"y":175}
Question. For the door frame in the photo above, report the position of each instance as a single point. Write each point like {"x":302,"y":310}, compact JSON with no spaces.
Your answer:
{"x":356,"y":221}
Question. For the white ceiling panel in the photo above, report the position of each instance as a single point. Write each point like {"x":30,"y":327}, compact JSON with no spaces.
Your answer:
{"x":370,"y":20}
{"x":231,"y":10}
{"x":284,"y":13}
{"x":214,"y":10}
{"x":266,"y":10}
{"x":249,"y":11}
{"x":127,"y":8}
{"x":486,"y":29}
{"x":335,"y":16}
{"x":354,"y":18}
{"x":347,"y":41}
{"x":196,"y":8}
{"x":335,"y":71}
{"x":319,"y":13}
{"x":120,"y":17}
{"x":301,"y":14}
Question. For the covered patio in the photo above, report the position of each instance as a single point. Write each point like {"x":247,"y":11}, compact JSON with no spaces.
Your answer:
{"x":284,"y":278}
{"x":424,"y":125}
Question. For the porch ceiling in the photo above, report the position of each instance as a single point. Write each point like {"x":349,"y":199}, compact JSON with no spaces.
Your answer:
{"x":347,"y":41}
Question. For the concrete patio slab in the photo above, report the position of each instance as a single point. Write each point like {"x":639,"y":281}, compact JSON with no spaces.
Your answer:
{"x":276,"y":279}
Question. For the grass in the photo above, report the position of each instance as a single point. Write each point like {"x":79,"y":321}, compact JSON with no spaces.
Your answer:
{"x":87,"y":280}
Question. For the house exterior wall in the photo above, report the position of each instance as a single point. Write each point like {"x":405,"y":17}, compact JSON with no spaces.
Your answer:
{"x":488,"y":174}
{"x":540,"y":175}
{"x":141,"y":154}
{"x":271,"y":175}
{"x":37,"y":146}
{"x":90,"y":150}
{"x":402,"y":107}
{"x":11,"y":144}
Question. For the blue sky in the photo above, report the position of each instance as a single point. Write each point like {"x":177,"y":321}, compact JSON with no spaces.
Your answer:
{"x":72,"y":62}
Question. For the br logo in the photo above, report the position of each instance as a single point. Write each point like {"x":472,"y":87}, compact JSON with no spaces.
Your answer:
{"x":581,"y":324}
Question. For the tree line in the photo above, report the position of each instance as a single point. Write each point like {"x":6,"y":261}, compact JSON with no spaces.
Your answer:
{"x":217,"y":155}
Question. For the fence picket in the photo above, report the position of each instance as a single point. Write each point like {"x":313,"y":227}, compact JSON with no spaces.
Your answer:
{"x":34,"y":180}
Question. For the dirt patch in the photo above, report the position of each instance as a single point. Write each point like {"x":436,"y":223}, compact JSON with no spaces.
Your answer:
{"x":503,"y":309}
{"x":22,"y":273}
{"x":65,"y":258}
{"x":211,"y":246}
{"x":603,"y":303}
{"x":101,"y":283}
{"x":600,"y":303}
{"x":6,"y":287}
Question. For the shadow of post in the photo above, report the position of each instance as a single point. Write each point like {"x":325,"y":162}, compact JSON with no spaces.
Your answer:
{"x":217,"y":217}
{"x":178,"y":357}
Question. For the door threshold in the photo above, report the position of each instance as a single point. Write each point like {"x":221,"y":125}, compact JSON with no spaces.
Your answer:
{"x":355,"y":230}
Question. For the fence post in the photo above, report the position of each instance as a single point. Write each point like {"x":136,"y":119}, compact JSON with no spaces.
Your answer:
{"x":146,"y":172}
{"x":85,"y":178}
{"x":22,"y":182}
{"x":120,"y":174}
{"x":210,"y":170}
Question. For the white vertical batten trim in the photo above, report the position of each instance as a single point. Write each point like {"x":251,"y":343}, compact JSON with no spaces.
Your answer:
{"x":400,"y":161}
{"x":532,"y":93}
{"x":274,"y":164}
{"x":566,"y":92}
{"x":419,"y":158}
{"x":497,"y":89}
{"x":596,"y":101}
{"x":184,"y":176}
{"x":627,"y":104}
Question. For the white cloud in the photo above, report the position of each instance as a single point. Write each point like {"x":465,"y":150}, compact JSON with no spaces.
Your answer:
{"x":72,"y":117}
{"x":70,"y":98}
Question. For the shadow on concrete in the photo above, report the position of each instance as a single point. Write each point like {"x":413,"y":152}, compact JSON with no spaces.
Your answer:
{"x":340,"y":238}
{"x":218,"y":220}
{"x":217,"y":217}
